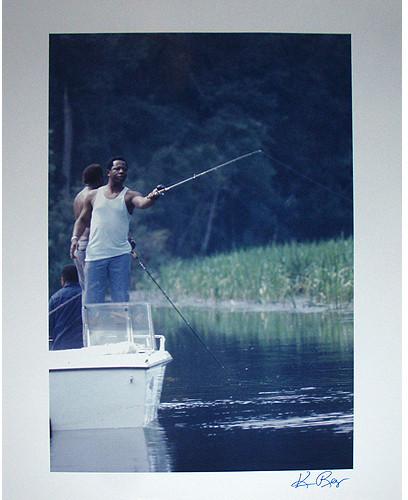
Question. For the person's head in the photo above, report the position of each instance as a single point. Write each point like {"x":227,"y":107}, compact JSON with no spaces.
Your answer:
{"x":93,"y":175}
{"x":69,"y":274}
{"x":117,"y":170}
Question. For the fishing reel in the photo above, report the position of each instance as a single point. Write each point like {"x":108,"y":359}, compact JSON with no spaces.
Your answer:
{"x":161,"y":188}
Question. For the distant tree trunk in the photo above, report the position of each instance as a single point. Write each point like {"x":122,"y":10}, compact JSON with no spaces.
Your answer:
{"x":210,"y":220}
{"x":194,"y":220}
{"x":68,"y":133}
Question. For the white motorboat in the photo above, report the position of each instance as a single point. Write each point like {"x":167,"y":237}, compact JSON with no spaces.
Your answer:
{"x":114,"y":382}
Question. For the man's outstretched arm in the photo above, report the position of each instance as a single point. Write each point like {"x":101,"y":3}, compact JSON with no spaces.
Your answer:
{"x":139,"y":201}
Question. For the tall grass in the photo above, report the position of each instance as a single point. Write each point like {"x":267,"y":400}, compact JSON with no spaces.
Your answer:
{"x":320,"y":272}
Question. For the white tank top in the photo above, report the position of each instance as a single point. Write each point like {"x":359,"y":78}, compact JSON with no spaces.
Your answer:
{"x":109,"y":228}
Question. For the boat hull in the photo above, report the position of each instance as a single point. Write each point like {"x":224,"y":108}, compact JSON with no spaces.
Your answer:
{"x":121,"y":391}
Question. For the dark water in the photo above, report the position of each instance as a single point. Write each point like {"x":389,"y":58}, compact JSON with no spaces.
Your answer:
{"x":283,"y":402}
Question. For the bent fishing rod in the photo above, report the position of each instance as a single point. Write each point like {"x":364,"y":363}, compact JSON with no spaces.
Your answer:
{"x":142,"y":265}
{"x":163,"y":189}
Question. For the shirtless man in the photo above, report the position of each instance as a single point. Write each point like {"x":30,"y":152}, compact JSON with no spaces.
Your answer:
{"x":92,"y":177}
{"x":107,"y":210}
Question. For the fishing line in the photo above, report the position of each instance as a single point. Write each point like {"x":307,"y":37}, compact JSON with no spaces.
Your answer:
{"x":167,"y":297}
{"x":163,"y":189}
{"x":308,"y":178}
{"x":178,"y":311}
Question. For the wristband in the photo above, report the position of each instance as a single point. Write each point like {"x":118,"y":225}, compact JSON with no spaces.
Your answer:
{"x":74,"y":238}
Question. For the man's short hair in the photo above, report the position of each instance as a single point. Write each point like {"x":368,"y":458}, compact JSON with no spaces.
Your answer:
{"x":92,"y":174}
{"x":70,"y":274}
{"x":110,"y":162}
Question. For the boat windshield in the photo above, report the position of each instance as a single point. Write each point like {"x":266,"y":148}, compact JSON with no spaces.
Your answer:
{"x":110,"y":323}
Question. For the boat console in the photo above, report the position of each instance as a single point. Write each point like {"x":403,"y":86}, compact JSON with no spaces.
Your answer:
{"x":116,"y":380}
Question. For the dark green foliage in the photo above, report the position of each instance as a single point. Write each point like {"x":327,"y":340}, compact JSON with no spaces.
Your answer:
{"x":60,"y":222}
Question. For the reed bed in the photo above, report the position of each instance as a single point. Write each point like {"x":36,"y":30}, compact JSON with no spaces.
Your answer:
{"x":318,"y":272}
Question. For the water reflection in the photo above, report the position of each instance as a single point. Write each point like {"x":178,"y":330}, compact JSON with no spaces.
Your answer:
{"x":288,"y":387}
{"x":111,"y":450}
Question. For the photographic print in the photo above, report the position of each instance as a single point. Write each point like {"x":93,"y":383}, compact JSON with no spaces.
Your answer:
{"x":244,"y":261}
{"x":225,"y":177}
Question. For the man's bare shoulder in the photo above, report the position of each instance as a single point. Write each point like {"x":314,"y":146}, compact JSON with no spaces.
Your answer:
{"x":90,"y":196}
{"x":81,"y":195}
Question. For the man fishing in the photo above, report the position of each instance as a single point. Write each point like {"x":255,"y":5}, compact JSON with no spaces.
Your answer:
{"x":107,"y":210}
{"x":92,"y":177}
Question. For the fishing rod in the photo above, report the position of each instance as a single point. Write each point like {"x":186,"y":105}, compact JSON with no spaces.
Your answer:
{"x":136,"y":256}
{"x":195,"y":176}
{"x":64,"y":303}
{"x":162,"y":189}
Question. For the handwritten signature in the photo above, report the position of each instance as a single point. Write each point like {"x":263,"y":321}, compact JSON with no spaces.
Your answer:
{"x":322,"y":480}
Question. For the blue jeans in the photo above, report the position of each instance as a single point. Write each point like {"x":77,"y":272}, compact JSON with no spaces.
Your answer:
{"x":114,"y":271}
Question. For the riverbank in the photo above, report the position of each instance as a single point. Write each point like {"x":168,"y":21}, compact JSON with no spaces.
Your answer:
{"x":300,"y":305}
{"x":297,"y":276}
